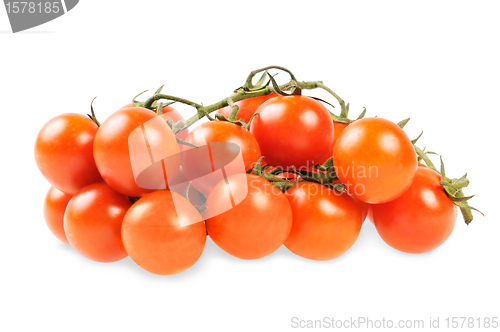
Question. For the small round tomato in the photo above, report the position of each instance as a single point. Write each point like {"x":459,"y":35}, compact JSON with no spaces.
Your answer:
{"x":293,"y":131}
{"x":63,"y":152}
{"x":247,"y":216}
{"x":325,"y":223}
{"x":375,"y":160}
{"x":338,"y":128}
{"x":163,"y":233}
{"x":136,"y":152}
{"x":421,"y":219}
{"x":247,"y":107}
{"x":214,"y":153}
{"x":168,"y":113}
{"x":54,"y":206}
{"x":93,"y":222}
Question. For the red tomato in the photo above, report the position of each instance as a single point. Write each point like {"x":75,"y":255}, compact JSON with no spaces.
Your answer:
{"x":338,"y":128}
{"x":63,"y":152}
{"x":293,"y":131}
{"x":212,"y":155}
{"x":54,"y":206}
{"x":164,"y":233}
{"x":93,"y":222}
{"x":115,"y":162}
{"x":325,"y":223}
{"x":375,"y":160}
{"x":249,"y":217}
{"x":421,"y":219}
{"x":168,"y":113}
{"x":247,"y":107}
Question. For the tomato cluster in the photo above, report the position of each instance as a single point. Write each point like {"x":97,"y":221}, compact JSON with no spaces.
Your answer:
{"x":271,"y":169}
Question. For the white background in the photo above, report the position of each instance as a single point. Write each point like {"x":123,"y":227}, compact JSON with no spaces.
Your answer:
{"x":436,"y":62}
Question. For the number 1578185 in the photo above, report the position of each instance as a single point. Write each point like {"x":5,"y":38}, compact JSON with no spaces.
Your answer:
{"x":26,"y":7}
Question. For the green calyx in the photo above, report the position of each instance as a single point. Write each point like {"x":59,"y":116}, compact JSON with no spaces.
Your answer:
{"x":325,"y":176}
{"x":452,"y":187}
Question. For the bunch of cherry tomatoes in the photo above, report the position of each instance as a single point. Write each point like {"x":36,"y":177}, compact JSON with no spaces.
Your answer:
{"x":309,"y":180}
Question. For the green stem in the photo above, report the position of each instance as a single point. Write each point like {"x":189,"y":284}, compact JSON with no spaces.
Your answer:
{"x":343,"y":109}
{"x":249,"y":84}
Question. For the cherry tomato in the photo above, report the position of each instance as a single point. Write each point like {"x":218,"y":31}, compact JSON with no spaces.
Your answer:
{"x":293,"y":131}
{"x":93,"y":222}
{"x":63,"y":152}
{"x":375,"y":160}
{"x":121,"y":168}
{"x":338,"y":128}
{"x":249,"y":217}
{"x":164,"y":233}
{"x":54,"y":206}
{"x":168,"y":113}
{"x":247,"y":107}
{"x":421,"y":219}
{"x":212,"y":155}
{"x":325,"y":223}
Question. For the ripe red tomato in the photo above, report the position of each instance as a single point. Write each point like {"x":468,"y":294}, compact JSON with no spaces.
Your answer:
{"x":338,"y":128}
{"x":54,"y":206}
{"x":247,"y":107}
{"x":375,"y":160}
{"x":168,"y":113}
{"x":93,"y":222}
{"x":421,"y":219}
{"x":293,"y":131}
{"x":63,"y":152}
{"x":248,"y":217}
{"x":164,"y":233}
{"x":213,"y":153}
{"x":120,"y":133}
{"x":325,"y":223}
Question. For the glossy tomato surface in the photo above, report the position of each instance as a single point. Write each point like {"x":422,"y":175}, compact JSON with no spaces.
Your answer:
{"x":54,"y":206}
{"x":293,"y":131}
{"x":63,"y":152}
{"x":375,"y":159}
{"x":247,"y":107}
{"x":325,"y":223}
{"x":164,"y":233}
{"x":132,"y":136}
{"x":214,"y":153}
{"x":421,"y":219}
{"x":93,"y":222}
{"x":250,"y":218}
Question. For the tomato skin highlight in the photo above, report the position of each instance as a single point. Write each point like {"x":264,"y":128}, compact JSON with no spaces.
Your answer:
{"x":421,"y":219}
{"x":255,"y":227}
{"x":212,"y":132}
{"x":375,"y":159}
{"x":54,"y":205}
{"x":247,"y":107}
{"x":63,"y":152}
{"x":325,"y":223}
{"x":154,"y":238}
{"x":293,"y":131}
{"x":111,"y":149}
{"x":93,"y":221}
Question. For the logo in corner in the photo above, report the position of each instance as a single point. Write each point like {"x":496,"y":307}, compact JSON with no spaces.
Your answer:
{"x":25,"y":15}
